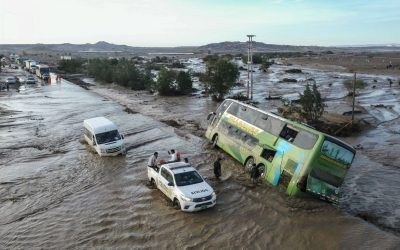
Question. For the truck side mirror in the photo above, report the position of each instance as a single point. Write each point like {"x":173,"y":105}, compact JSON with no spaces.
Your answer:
{"x":170,"y":184}
{"x":210,"y":115}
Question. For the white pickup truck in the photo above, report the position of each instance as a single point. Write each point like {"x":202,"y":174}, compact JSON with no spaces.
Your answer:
{"x":181,"y":183}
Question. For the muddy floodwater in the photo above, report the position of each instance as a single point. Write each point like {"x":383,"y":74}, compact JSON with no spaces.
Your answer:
{"x":55,"y":193}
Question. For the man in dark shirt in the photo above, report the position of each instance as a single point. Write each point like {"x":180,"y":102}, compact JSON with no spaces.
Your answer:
{"x":217,"y":168}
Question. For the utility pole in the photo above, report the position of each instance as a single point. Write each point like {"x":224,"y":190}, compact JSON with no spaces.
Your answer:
{"x":354,"y":97}
{"x":250,"y":67}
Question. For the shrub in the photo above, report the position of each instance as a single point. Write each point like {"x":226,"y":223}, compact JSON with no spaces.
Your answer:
{"x":166,"y":81}
{"x":360,"y":84}
{"x":311,"y":103}
{"x":123,"y":72}
{"x":184,"y":83}
{"x":71,"y":66}
{"x":294,"y":71}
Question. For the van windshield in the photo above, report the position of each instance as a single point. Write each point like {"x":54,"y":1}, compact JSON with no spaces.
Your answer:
{"x":108,"y":136}
{"x":187,"y":178}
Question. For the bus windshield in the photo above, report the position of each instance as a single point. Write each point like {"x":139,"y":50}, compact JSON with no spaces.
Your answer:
{"x":106,"y":137}
{"x":187,"y":178}
{"x":337,"y":153}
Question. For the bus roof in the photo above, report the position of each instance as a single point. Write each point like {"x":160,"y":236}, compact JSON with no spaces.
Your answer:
{"x":299,"y":125}
{"x":99,"y":124}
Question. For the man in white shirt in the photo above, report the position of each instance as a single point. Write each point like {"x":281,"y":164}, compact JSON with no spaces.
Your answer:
{"x":173,"y":155}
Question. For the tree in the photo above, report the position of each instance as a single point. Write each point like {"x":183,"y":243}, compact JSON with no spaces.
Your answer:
{"x":312,"y":103}
{"x":166,"y":82}
{"x":220,"y":77}
{"x":71,"y":66}
{"x":184,"y":83}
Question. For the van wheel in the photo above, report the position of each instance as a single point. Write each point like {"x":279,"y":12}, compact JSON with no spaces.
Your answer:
{"x":248,"y":165}
{"x":176,"y":204}
{"x":215,"y":141}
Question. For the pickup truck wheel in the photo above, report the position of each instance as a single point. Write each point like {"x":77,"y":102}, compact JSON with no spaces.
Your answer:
{"x":152,"y":182}
{"x":176,"y":204}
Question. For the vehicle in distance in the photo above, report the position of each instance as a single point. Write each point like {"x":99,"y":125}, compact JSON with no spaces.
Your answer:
{"x":103,"y":136}
{"x":297,"y":157}
{"x":43,"y":71}
{"x":11,"y":80}
{"x":183,"y":185}
{"x":30,"y":80}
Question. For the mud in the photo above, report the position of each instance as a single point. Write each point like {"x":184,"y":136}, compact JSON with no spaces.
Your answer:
{"x":56,"y":193}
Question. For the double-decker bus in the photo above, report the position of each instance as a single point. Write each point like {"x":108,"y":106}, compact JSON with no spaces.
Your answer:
{"x":301,"y":159}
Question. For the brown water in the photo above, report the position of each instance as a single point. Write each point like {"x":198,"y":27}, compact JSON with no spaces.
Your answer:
{"x":56,"y":193}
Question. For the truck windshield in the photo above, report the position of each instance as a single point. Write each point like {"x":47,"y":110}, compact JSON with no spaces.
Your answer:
{"x":109,"y":136}
{"x":337,"y":153}
{"x":187,"y":178}
{"x":44,"y":70}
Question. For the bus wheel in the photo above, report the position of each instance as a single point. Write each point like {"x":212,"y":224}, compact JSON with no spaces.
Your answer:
{"x":261,"y":168}
{"x":215,"y":140}
{"x":248,"y":165}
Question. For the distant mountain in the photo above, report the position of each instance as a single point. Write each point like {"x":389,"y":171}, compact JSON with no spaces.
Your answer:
{"x":240,"y":47}
{"x":222,"y":47}
{"x":100,"y":46}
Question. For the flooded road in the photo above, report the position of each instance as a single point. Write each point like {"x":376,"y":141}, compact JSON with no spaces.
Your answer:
{"x":56,"y":193}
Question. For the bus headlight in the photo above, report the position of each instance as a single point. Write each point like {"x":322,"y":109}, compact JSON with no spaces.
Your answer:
{"x":185,"y":198}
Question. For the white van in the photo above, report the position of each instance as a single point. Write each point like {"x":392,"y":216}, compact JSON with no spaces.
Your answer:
{"x":102,"y":134}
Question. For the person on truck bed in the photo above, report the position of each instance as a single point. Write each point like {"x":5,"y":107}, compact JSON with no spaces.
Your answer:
{"x":152,"y":163}
{"x":174,"y":156}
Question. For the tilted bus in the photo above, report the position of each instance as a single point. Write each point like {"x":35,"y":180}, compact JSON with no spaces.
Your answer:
{"x":299,"y":158}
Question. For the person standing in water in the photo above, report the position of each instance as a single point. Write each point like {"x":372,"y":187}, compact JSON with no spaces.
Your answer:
{"x":217,"y":168}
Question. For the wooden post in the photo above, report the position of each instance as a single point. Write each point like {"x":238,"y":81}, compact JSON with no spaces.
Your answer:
{"x":354,"y":97}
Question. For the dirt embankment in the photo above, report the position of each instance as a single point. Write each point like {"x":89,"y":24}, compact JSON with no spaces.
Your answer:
{"x":373,"y":63}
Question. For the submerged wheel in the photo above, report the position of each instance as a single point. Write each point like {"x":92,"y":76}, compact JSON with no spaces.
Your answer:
{"x":152,"y":182}
{"x":215,"y":141}
{"x":176,"y":204}
{"x":248,"y":165}
{"x":261,"y":168}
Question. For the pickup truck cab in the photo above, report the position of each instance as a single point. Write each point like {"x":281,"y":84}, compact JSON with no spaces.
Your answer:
{"x":183,"y":185}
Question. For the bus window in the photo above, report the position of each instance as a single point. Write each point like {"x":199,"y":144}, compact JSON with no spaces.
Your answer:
{"x":233,"y":109}
{"x":326,"y":177}
{"x":305,"y":139}
{"x":288,"y":133}
{"x":261,"y":120}
{"x":268,"y":154}
{"x":247,"y":114}
{"x":337,"y":152}
{"x":248,"y":139}
{"x":274,"y":126}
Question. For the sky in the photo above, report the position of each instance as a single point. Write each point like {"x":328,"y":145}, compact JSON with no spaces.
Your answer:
{"x":198,"y":22}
